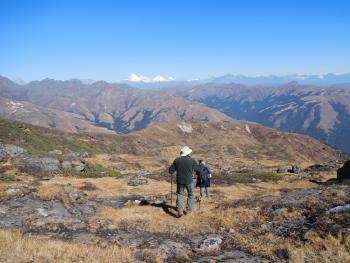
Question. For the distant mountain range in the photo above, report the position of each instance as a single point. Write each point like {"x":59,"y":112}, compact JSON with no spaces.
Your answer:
{"x":322,"y":112}
{"x":272,"y":80}
{"x":109,"y":107}
{"x":330,"y":79}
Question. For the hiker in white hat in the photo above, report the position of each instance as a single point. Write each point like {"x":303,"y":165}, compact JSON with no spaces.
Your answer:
{"x":184,"y":166}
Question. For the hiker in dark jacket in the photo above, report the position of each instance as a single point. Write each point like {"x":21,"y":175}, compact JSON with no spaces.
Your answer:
{"x":184,"y":166}
{"x":203,"y":179}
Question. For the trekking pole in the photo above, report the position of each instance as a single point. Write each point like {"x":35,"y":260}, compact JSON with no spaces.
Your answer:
{"x":171,"y":190}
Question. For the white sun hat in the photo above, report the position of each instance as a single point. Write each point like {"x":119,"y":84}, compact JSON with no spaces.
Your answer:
{"x":185,"y":151}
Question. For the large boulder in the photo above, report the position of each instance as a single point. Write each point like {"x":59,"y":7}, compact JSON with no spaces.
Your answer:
{"x":343,"y":173}
{"x":10,"y":151}
{"x":34,"y":165}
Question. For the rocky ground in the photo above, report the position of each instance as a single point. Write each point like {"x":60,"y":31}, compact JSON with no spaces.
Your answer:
{"x":293,"y":216}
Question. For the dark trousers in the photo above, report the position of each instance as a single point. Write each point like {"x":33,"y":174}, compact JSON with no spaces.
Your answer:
{"x":190,"y":196}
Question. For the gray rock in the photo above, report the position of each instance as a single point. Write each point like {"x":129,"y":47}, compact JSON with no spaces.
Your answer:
{"x":85,"y":155}
{"x":144,"y":173}
{"x":170,"y":249}
{"x":295,"y":169}
{"x":67,"y":164}
{"x":135,"y":181}
{"x":78,"y":166}
{"x":33,"y":165}
{"x":339,"y":209}
{"x":120,"y":168}
{"x":73,"y":154}
{"x":3,"y":155}
{"x":282,"y":170}
{"x":9,"y":150}
{"x":55,"y":152}
{"x":207,"y":243}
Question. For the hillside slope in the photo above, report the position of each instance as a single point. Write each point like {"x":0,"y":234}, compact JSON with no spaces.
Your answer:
{"x":322,"y":113}
{"x":115,"y":107}
{"x":223,"y":145}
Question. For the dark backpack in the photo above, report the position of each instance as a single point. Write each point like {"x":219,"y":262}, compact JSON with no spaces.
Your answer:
{"x":203,"y":174}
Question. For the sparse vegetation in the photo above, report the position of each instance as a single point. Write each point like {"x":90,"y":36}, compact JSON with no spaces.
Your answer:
{"x":246,"y":176}
{"x":16,"y":248}
{"x":91,"y":171}
{"x":39,"y":140}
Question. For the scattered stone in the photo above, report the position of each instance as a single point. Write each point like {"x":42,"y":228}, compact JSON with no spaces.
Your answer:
{"x":13,"y":191}
{"x":211,"y":243}
{"x":295,"y":169}
{"x":10,"y":151}
{"x":144,"y":173}
{"x":231,"y":230}
{"x":120,"y":168}
{"x":172,"y":249}
{"x":55,"y":152}
{"x":282,"y":170}
{"x":78,"y":166}
{"x":137,"y":180}
{"x":206,"y":244}
{"x":3,"y":155}
{"x":85,"y":155}
{"x":73,"y":154}
{"x":67,"y":164}
{"x":339,"y":209}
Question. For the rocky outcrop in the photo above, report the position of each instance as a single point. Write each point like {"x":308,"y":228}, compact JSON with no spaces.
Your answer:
{"x":34,"y":165}
{"x":10,"y":151}
{"x":343,"y":173}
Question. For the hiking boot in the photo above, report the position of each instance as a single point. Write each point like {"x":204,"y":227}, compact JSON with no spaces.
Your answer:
{"x":179,"y":213}
{"x":187,"y":212}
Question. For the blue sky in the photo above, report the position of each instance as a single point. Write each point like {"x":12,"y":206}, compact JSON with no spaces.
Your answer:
{"x":184,"y":39}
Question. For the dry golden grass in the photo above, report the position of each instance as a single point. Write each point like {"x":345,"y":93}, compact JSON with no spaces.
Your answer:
{"x":15,"y":247}
{"x":157,"y":219}
{"x":107,"y":187}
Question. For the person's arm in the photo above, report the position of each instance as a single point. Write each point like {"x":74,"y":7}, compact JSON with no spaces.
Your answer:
{"x":172,"y":168}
